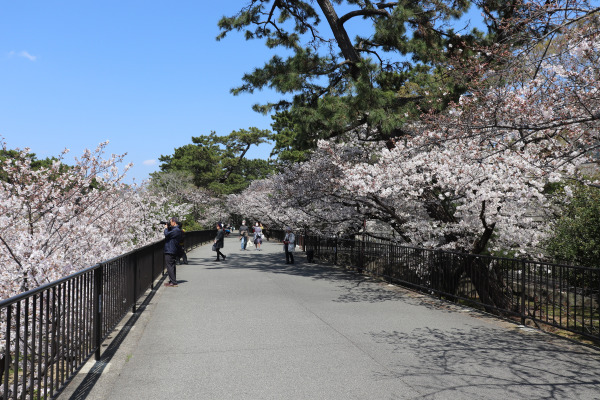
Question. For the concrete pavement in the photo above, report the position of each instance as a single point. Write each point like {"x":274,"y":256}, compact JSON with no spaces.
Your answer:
{"x":252,"y":327}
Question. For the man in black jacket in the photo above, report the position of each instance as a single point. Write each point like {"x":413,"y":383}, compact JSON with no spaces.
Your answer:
{"x":173,"y":237}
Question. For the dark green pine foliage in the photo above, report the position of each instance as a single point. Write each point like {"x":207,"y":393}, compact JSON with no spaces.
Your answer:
{"x":392,"y":70}
{"x":219,"y":163}
{"x":576,"y":234}
{"x":14,"y":155}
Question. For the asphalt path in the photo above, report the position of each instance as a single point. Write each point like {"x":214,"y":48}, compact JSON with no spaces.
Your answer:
{"x":254,"y":327}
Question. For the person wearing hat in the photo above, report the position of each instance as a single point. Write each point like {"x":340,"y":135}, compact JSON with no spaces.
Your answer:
{"x":289,"y":243}
{"x":219,"y":239}
{"x":173,"y":237}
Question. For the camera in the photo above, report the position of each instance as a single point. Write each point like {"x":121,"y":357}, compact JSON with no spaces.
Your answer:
{"x":164,"y":223}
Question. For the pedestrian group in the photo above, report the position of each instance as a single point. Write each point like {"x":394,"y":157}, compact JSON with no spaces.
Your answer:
{"x":174,"y":249}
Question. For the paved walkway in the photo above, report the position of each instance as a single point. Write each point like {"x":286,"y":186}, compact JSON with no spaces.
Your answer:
{"x":253,"y":327}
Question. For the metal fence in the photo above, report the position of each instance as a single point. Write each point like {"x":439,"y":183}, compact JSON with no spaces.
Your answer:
{"x":562,"y":296}
{"x":48,"y":333}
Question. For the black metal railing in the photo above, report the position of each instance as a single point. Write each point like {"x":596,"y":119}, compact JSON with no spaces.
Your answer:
{"x":563,"y":296}
{"x":48,"y":333}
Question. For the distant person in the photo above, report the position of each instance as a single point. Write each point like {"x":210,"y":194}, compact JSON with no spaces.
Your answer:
{"x":219,"y":240}
{"x":257,"y":236}
{"x":289,"y":244}
{"x":181,"y":254}
{"x":264,"y":232}
{"x":173,"y":237}
{"x":243,"y":235}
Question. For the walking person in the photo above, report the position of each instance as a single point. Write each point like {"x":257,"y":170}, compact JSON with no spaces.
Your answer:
{"x":173,"y":237}
{"x":289,"y":245}
{"x":257,"y":236}
{"x":243,"y":235}
{"x":264,"y":232}
{"x":219,"y":239}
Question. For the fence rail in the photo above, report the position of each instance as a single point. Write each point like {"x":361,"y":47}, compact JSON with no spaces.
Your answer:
{"x":563,"y":296}
{"x":48,"y":333}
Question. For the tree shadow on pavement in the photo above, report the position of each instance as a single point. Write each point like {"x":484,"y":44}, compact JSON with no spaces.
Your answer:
{"x":480,"y":362}
{"x":353,"y":286}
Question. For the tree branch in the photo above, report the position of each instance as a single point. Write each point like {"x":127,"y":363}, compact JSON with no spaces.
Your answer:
{"x":14,"y":257}
{"x":340,"y":34}
{"x":481,"y":243}
{"x":358,"y":13}
{"x":234,"y":167}
{"x":383,"y":5}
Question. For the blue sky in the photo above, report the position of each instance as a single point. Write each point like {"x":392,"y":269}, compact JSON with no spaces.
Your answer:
{"x":145,"y":75}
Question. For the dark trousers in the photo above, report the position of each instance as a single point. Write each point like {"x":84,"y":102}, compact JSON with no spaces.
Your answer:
{"x":289,"y":256}
{"x":220,"y":254}
{"x":182,"y":255}
{"x":170,"y":260}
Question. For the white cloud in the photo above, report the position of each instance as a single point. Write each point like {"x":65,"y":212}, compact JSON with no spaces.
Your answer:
{"x":28,"y":56}
{"x":149,"y":162}
{"x":23,"y":54}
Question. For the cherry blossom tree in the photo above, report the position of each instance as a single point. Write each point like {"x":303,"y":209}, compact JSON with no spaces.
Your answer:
{"x":472,"y":178}
{"x":546,"y":88}
{"x":180,"y":188}
{"x":269,"y":202}
{"x":475,"y":173}
{"x":57,"y":219}
{"x":54,"y":221}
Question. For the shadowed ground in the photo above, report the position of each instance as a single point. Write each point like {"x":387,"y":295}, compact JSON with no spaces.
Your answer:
{"x":253,"y":327}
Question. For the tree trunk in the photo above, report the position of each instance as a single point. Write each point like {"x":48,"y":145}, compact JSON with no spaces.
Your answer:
{"x":493,"y":292}
{"x":341,"y":36}
{"x":491,"y":288}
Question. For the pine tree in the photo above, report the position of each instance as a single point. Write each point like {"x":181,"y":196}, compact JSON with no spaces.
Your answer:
{"x":387,"y":75}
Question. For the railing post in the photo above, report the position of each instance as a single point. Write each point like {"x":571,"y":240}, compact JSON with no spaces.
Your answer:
{"x":439,"y":267}
{"x":335,"y":250}
{"x":135,"y":282}
{"x":153,"y":276}
{"x":523,"y":297}
{"x":98,"y":309}
{"x":163,"y":262}
{"x":7,"y":350}
{"x":304,"y":240}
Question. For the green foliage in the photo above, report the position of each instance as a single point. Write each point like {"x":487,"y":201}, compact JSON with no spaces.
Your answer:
{"x":189,"y":224}
{"x":36,"y":164}
{"x":576,"y":234}
{"x":218,"y":163}
{"x":383,"y":78}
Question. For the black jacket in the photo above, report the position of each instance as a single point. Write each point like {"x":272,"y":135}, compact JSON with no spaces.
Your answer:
{"x":173,"y":236}
{"x":219,"y":239}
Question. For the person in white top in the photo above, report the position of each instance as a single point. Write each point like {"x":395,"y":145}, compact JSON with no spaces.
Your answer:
{"x":289,"y":244}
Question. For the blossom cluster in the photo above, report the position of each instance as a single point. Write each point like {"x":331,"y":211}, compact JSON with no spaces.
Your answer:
{"x":56,"y":220}
{"x":472,"y":178}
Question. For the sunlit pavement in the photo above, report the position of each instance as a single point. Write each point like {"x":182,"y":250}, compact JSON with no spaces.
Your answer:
{"x":254,"y":327}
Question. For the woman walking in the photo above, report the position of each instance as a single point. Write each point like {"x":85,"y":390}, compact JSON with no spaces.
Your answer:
{"x":257,"y":235}
{"x":219,"y":239}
